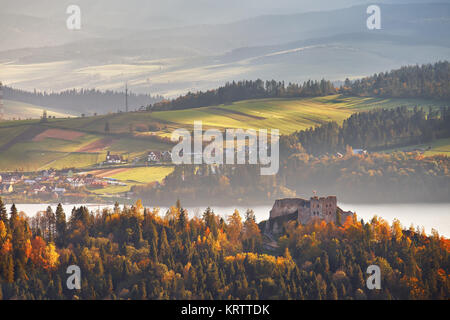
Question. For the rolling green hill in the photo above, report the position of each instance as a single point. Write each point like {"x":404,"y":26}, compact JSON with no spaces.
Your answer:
{"x":30,"y":145}
{"x":22,"y":110}
{"x":287,"y":115}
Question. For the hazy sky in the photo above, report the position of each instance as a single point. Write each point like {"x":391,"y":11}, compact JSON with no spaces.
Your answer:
{"x":116,"y":44}
{"x":174,"y":12}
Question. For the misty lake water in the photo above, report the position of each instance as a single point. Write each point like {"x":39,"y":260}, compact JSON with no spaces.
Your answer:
{"x":428,"y":215}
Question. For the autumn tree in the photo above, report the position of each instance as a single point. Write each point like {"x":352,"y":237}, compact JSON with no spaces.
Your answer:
{"x":234,"y":226}
{"x":251,"y":238}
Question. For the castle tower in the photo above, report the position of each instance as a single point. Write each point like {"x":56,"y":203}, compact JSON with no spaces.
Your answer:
{"x":2,"y":109}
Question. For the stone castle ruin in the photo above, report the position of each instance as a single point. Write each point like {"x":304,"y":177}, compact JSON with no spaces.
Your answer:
{"x":303,"y":211}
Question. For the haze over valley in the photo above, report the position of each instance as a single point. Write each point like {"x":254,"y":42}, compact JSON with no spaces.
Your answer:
{"x":160,"y":51}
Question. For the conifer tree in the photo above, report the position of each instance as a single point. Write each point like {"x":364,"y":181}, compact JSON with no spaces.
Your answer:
{"x":3,"y":213}
{"x":13,"y":216}
{"x":61,"y":225}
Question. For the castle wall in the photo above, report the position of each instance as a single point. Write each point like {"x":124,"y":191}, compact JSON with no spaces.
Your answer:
{"x":316,"y":208}
{"x":329,"y":207}
{"x":287,"y":206}
{"x":304,"y":211}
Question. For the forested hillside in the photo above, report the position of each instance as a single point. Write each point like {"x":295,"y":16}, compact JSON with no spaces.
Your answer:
{"x":322,"y":159}
{"x":373,"y":178}
{"x":431,"y":81}
{"x":372,"y":130}
{"x":244,"y":90}
{"x":134,"y":253}
{"x":425,"y":81}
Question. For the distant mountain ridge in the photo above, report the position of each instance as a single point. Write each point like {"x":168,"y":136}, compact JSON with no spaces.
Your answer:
{"x":294,"y":47}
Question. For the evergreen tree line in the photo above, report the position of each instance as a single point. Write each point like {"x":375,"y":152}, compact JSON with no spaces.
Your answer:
{"x":374,"y":130}
{"x":137,"y":253}
{"x":430,"y":81}
{"x":81,"y":101}
{"x":243,"y":90}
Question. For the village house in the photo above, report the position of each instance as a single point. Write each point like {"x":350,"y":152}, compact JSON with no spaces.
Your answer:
{"x":154,"y":156}
{"x":77,"y":183}
{"x":113,"y":158}
{"x":10,"y":180}
{"x":113,"y":181}
{"x":158,"y":156}
{"x":48,"y":174}
{"x":359,"y":151}
{"x":39,"y":189}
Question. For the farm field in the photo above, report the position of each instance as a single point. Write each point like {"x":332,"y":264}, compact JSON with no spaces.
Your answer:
{"x":60,"y":143}
{"x":140,"y":174}
{"x":440,"y":146}
{"x":33,"y":147}
{"x":287,"y":115}
{"x":8,"y":133}
{"x":143,"y":174}
{"x":130,"y":177}
{"x":28,"y":160}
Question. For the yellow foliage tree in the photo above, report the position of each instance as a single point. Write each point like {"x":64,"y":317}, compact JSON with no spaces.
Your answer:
{"x":51,"y":257}
{"x":234,"y":226}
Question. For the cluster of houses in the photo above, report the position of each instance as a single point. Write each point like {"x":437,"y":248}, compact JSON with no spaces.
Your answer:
{"x":166,"y":156}
{"x":50,"y":182}
{"x":92,"y":181}
{"x":47,"y":181}
{"x":152,"y":157}
{"x":7,"y":182}
{"x":12,"y":182}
